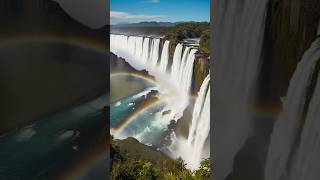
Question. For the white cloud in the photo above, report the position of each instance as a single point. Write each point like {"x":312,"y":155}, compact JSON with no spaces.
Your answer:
{"x":127,"y":16}
{"x":151,"y":1}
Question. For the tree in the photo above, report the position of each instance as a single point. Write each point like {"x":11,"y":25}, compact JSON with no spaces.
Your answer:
{"x":205,"y":42}
{"x":146,"y":172}
{"x":204,"y":170}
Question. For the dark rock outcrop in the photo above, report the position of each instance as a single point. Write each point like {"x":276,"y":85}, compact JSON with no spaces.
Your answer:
{"x":291,"y":27}
{"x":200,"y":71}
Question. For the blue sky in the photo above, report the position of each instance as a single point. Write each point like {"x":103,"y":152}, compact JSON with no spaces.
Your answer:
{"x":159,"y":10}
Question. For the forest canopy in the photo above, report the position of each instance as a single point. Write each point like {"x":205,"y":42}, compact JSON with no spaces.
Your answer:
{"x":190,"y":30}
{"x":131,"y":160}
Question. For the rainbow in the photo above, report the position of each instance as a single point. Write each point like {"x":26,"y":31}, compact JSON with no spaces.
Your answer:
{"x":120,"y":127}
{"x":136,"y":75}
{"x":79,"y":41}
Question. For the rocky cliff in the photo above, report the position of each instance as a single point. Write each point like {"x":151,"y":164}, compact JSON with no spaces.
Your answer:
{"x":291,"y":26}
{"x":200,"y":70}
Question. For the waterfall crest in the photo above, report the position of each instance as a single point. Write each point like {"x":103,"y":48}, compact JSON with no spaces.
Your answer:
{"x":288,"y":157}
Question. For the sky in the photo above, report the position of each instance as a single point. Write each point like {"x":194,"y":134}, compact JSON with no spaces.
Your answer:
{"x":131,"y":11}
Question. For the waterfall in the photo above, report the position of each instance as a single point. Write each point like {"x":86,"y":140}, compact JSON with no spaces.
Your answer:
{"x":306,"y":164}
{"x":186,"y":75}
{"x":203,"y":130}
{"x":164,"y":57}
{"x":176,"y":62}
{"x":200,"y":125}
{"x":138,"y":48}
{"x":197,"y":109}
{"x":145,"y":50}
{"x":155,"y":52}
{"x":287,"y":157}
{"x":238,"y":35}
{"x":182,"y":64}
{"x":144,"y":53}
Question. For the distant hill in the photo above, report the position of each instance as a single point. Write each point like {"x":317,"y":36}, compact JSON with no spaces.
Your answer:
{"x":147,"y":24}
{"x":133,"y":148}
{"x":151,"y":24}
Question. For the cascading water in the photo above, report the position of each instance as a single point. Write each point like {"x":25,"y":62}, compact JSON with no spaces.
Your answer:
{"x":145,"y":50}
{"x":138,"y":52}
{"x":194,"y":148}
{"x":139,"y":49}
{"x":200,"y":125}
{"x":287,"y":157}
{"x":155,"y":52}
{"x":306,"y":163}
{"x":176,"y":62}
{"x":186,"y":76}
{"x":164,"y":57}
{"x":182,"y":64}
{"x":197,"y":109}
{"x":202,"y":132}
{"x":237,"y":52}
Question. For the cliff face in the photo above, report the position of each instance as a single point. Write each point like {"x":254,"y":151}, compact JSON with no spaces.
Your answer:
{"x":291,"y":26}
{"x":200,"y":70}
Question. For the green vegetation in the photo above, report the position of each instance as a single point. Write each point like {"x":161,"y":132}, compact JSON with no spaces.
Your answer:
{"x":131,"y":160}
{"x":200,"y":70}
{"x":132,"y":30}
{"x":205,"y":42}
{"x":189,"y":30}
